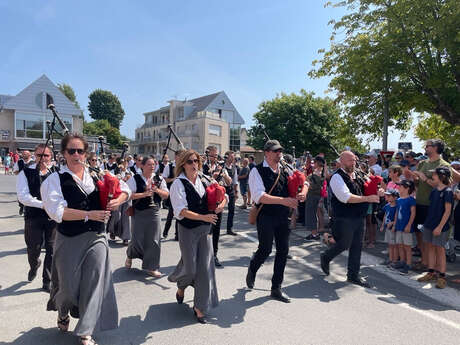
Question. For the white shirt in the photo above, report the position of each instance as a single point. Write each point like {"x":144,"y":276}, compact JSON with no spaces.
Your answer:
{"x":178,"y":196}
{"x":256,"y":184}
{"x":165,"y":172}
{"x":130,"y":163}
{"x":138,"y":170}
{"x":339,"y":188}
{"x":16,"y":165}
{"x":235,"y":173}
{"x":23,"y":192}
{"x":53,"y":200}
{"x":132,"y":183}
{"x":377,"y":169}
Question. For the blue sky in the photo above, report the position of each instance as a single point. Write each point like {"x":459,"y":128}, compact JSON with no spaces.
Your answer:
{"x":148,"y":52}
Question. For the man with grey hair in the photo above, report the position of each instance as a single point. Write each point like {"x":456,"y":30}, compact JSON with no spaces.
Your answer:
{"x":349,"y":208}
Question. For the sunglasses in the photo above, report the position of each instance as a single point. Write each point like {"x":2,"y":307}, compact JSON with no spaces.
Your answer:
{"x":93,"y":160}
{"x":72,"y":151}
{"x":191,"y":161}
{"x":43,"y":155}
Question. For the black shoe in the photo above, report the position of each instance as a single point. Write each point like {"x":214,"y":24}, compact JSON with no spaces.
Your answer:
{"x":289,"y":256}
{"x":21,"y":210}
{"x":165,"y":234}
{"x":199,"y":319}
{"x":312,"y":238}
{"x":324,"y":264}
{"x":230,"y":232}
{"x":179,"y":298}
{"x":33,"y":272}
{"x":359,"y":281}
{"x":280,"y":296}
{"x":112,"y":237}
{"x":250,"y":279}
{"x":46,"y":287}
{"x":176,"y":238}
{"x":217,"y":262}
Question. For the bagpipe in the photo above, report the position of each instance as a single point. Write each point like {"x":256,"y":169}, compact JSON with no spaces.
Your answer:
{"x":107,"y":184}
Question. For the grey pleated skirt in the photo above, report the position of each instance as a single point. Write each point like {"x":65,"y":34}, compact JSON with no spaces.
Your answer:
{"x":82,"y":281}
{"x":146,"y":238}
{"x":119,"y":223}
{"x":196,"y":266}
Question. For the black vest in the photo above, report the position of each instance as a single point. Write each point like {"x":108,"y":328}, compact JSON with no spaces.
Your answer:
{"x":34,"y":181}
{"x":76,"y":198}
{"x":230,"y":190}
{"x":281,"y":190}
{"x":348,"y":210}
{"x":148,"y":202}
{"x":133,"y":169}
{"x":195,"y":204}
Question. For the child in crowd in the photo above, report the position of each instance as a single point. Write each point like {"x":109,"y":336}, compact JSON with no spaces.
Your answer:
{"x":436,"y":226}
{"x":405,"y":215}
{"x":388,"y":220}
{"x":394,"y":173}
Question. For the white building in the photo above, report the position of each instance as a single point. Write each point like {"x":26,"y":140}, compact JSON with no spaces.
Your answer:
{"x":23,"y":117}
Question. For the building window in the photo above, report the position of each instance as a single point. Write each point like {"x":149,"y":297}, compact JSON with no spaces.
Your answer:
{"x":29,"y":126}
{"x":235,"y":130}
{"x":215,"y":130}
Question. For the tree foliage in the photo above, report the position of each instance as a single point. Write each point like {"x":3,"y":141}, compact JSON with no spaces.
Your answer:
{"x":434,"y":126}
{"x":103,"y":127}
{"x":405,"y":51}
{"x":68,"y":91}
{"x":104,"y":104}
{"x":309,"y":123}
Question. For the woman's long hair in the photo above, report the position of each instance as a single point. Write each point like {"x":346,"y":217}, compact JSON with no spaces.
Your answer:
{"x":182,"y":160}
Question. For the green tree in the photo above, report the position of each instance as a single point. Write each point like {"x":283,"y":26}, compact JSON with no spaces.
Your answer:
{"x":103,"y":127}
{"x":305,"y":122}
{"x":434,"y":126}
{"x":105,"y":105}
{"x":68,"y":91}
{"x":393,"y":57}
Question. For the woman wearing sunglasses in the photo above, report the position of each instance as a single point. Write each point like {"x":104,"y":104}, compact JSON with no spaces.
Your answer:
{"x":148,"y":191}
{"x":81,"y":275}
{"x":196,"y":267}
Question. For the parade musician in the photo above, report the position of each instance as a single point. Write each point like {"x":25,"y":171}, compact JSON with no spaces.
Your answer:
{"x":81,"y":274}
{"x":38,"y":227}
{"x":272,"y":220}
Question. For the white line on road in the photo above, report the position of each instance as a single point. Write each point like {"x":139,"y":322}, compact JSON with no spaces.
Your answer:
{"x":452,"y":298}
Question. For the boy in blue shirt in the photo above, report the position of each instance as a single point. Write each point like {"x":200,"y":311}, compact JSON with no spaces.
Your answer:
{"x":436,"y":226}
{"x":405,"y":215}
{"x":391,"y":195}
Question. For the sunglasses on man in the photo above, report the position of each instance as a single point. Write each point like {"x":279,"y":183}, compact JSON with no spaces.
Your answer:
{"x":72,"y":151}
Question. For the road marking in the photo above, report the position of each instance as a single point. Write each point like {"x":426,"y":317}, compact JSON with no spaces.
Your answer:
{"x":451,"y":298}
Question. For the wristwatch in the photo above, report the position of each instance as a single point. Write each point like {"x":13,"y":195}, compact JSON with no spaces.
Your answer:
{"x":86,"y":217}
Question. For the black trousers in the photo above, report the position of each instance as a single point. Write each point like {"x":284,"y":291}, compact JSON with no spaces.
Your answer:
{"x":37,"y":231}
{"x":348,"y":234}
{"x":271,"y":227}
{"x":169,"y":219}
{"x":215,"y":231}
{"x":231,"y":211}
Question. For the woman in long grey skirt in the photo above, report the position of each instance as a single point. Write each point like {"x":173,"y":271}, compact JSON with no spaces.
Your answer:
{"x":148,"y":190}
{"x":81,"y":276}
{"x":316,"y":180}
{"x":196,"y":266}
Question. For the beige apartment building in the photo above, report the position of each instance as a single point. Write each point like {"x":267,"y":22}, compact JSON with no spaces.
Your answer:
{"x":199,"y":122}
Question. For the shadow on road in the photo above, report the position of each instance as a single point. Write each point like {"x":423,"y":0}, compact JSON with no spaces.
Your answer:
{"x":13,"y":252}
{"x":10,"y":233}
{"x":123,"y":274}
{"x":13,"y":290}
{"x":43,"y":336}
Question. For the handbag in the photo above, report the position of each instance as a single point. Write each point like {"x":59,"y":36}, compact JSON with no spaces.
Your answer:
{"x":254,"y":211}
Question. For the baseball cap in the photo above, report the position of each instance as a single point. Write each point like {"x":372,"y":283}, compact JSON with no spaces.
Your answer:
{"x":392,"y":192}
{"x":444,"y":171}
{"x":411,"y":153}
{"x":406,"y":183}
{"x":404,"y":163}
{"x":371,"y":154}
{"x":272,"y":145}
{"x":399,"y":154}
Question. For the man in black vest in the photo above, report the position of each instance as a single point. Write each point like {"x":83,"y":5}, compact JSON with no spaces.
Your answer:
{"x":272,"y":221}
{"x":165,"y":168}
{"x":38,"y":226}
{"x":349,"y":209}
{"x":136,"y":168}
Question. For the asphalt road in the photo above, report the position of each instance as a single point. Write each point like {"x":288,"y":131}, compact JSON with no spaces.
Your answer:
{"x":324,"y":310}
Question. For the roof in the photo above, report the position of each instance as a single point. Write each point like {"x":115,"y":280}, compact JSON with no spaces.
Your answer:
{"x":31,"y":99}
{"x":201,"y":103}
